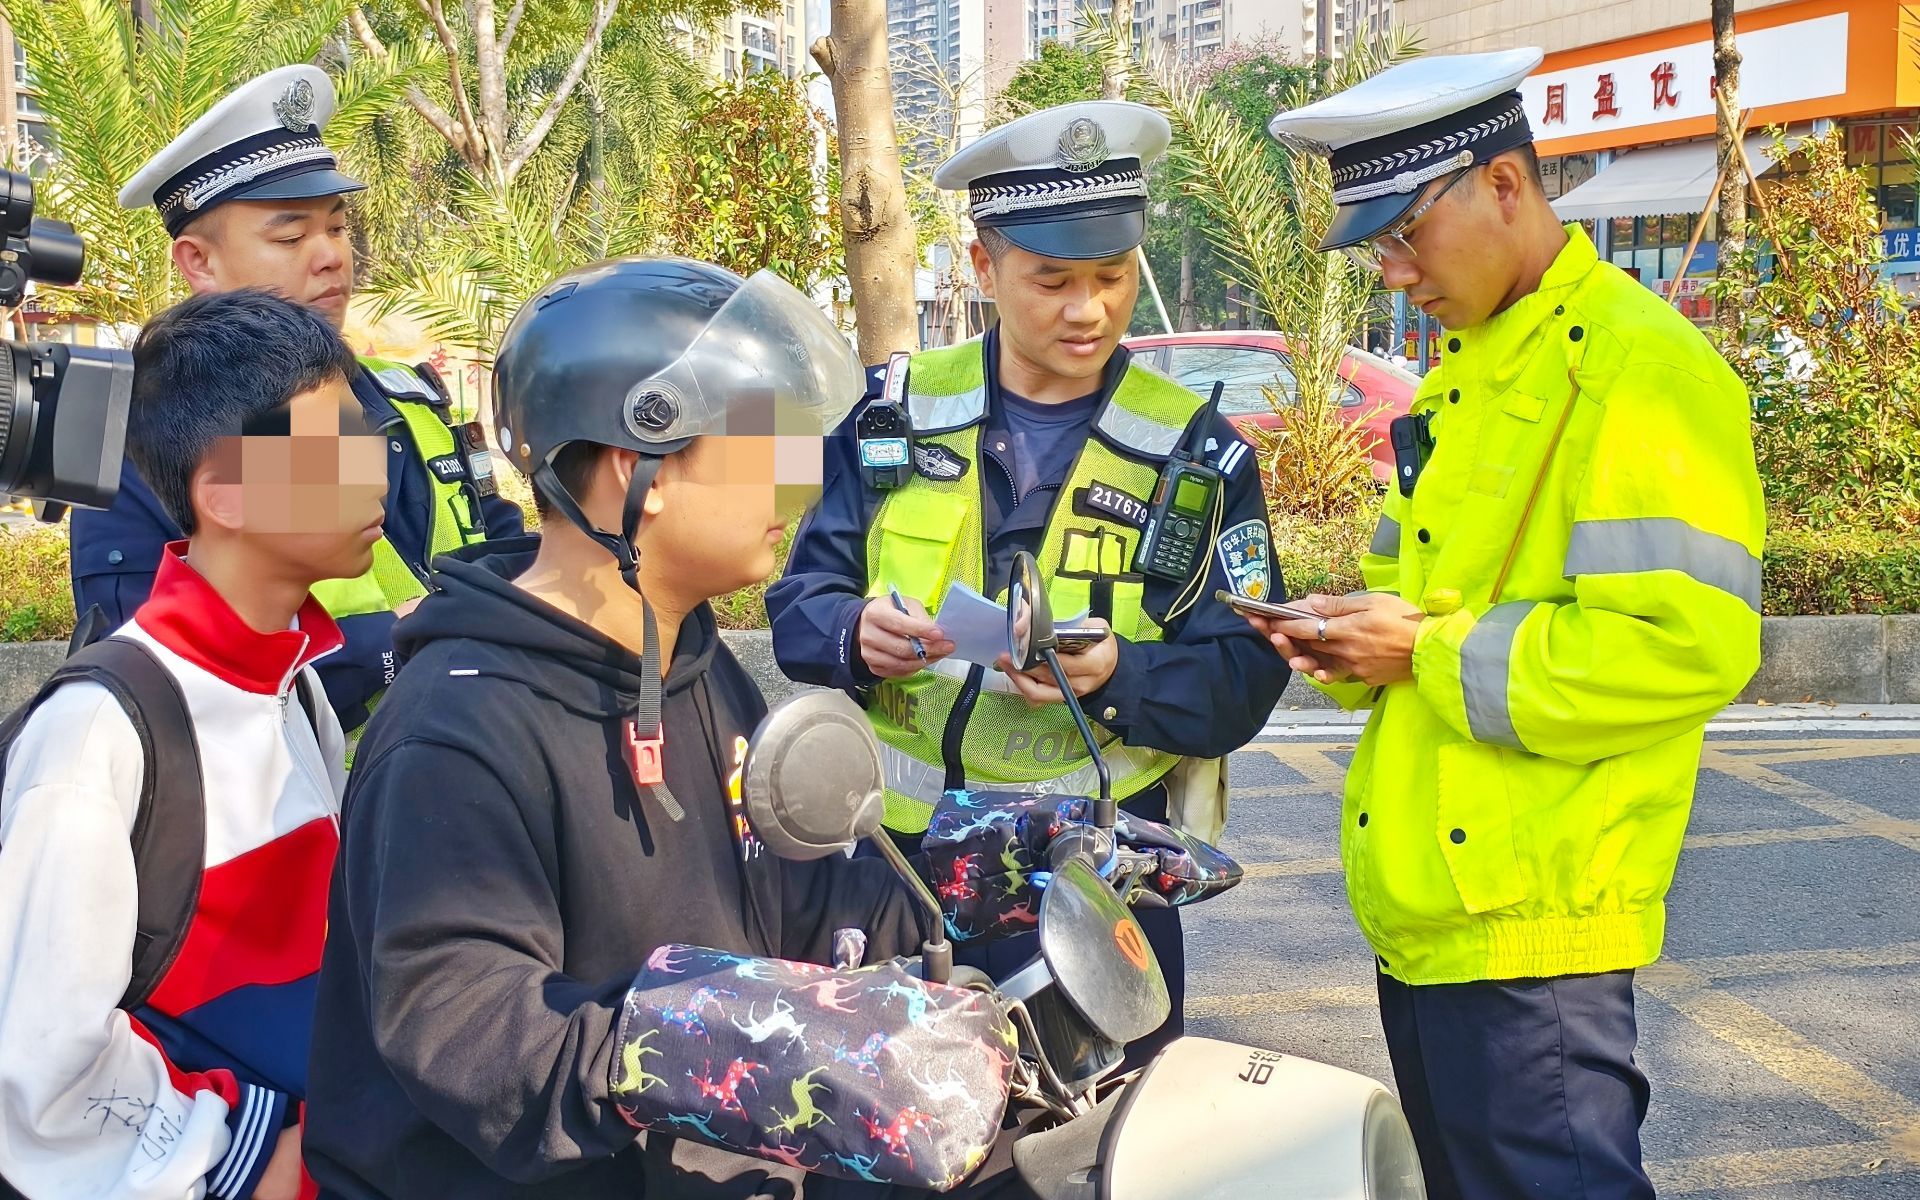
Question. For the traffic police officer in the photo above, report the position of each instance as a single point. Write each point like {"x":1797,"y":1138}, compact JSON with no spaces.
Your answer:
{"x":1041,"y":436}
{"x":1562,"y":590}
{"x":253,"y":198}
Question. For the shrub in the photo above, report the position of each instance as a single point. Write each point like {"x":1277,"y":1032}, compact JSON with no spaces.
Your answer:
{"x":1317,"y":465}
{"x":1827,"y":571}
{"x":1322,"y":556}
{"x":1828,"y":352}
{"x":36,"y":600}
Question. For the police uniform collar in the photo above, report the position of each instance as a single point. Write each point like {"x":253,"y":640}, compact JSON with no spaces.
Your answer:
{"x":261,"y":142}
{"x":1497,"y":351}
{"x":1116,"y":370}
{"x":373,"y":398}
{"x":1393,"y":134}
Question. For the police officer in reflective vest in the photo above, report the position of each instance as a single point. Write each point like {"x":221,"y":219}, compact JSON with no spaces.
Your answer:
{"x":1563,"y":588}
{"x":253,"y":198}
{"x":1042,"y":436}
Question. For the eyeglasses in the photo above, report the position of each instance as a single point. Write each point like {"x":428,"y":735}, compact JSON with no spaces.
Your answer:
{"x":1392,"y":244}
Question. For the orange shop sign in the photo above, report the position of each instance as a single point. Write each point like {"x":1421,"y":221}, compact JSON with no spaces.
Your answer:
{"x":1818,"y":58}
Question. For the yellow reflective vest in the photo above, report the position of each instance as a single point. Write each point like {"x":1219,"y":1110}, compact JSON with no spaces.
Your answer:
{"x":1516,"y":809}
{"x":455,"y":521}
{"x":927,"y":535}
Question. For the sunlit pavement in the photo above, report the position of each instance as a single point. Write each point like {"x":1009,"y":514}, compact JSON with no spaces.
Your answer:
{"x":1782,"y":1030}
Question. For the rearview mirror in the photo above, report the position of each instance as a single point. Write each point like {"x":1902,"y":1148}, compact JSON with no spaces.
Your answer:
{"x":1029,"y":616}
{"x":1098,"y":957}
{"x":812,"y":781}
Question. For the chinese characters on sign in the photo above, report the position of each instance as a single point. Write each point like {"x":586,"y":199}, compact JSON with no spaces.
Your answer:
{"x":1603,"y":98}
{"x":1664,"y":95}
{"x":1608,"y":99}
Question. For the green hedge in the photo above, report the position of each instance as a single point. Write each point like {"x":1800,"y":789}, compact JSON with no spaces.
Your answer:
{"x":36,"y":597}
{"x":1807,"y":571}
{"x":1832,"y":571}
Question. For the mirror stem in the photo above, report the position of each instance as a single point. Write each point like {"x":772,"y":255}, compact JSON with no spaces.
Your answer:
{"x":936,"y":955}
{"x":1104,"y":814}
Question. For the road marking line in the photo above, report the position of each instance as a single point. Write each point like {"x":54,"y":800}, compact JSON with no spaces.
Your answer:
{"x":1838,"y":1085}
{"x":1287,"y":1000}
{"x":1292,"y":868}
{"x":1828,"y":751}
{"x":1819,"y":800}
{"x":1771,"y":1168}
{"x":1793,"y":962}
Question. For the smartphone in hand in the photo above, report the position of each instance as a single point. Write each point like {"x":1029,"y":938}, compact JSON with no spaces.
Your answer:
{"x":1249,"y":607}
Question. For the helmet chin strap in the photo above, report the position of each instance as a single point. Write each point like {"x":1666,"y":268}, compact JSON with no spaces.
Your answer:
{"x":646,"y":746}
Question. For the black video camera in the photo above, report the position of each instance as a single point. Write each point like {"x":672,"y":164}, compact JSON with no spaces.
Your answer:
{"x":63,"y":409}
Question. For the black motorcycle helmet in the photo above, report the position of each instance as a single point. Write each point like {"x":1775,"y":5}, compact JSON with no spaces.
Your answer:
{"x":647,"y":354}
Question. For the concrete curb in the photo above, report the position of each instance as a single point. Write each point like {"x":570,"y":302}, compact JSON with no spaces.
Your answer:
{"x":1847,"y":660}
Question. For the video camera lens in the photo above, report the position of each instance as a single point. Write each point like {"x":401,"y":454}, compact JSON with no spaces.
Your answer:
{"x":63,"y":410}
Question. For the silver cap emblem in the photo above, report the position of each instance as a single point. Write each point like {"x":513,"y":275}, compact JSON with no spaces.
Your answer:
{"x":1083,"y":145}
{"x":295,"y":107}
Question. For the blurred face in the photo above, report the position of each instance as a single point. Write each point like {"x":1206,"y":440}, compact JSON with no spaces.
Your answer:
{"x":1061,"y":318}
{"x":306,"y":484}
{"x":297,"y":248}
{"x":721,"y":506}
{"x":1464,"y":259}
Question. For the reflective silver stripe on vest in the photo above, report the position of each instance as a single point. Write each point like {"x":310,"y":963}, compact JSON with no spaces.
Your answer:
{"x":1484,"y":660}
{"x":924,"y":782}
{"x":1386,"y":538}
{"x":1664,"y":544}
{"x":931,"y":414}
{"x":1136,"y":432}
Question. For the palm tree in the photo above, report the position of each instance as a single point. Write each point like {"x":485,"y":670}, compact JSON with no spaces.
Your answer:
{"x":116,"y":93}
{"x":506,"y":245}
{"x":1266,"y":224}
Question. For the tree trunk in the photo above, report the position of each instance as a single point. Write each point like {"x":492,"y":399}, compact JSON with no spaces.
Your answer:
{"x":1188,"y":319}
{"x":881,"y":248}
{"x":1733,"y":189}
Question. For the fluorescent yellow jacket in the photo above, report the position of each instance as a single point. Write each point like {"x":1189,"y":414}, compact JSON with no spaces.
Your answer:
{"x":1516,"y":809}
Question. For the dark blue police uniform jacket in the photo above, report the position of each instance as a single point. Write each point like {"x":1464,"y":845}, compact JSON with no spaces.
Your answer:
{"x":116,"y":552}
{"x":1203,"y":692}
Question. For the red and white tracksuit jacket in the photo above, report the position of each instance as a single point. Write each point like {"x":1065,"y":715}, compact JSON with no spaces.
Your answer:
{"x":188,"y":1095}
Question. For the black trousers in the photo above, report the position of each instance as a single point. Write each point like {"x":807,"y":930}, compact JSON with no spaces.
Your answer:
{"x":1522,"y":1088}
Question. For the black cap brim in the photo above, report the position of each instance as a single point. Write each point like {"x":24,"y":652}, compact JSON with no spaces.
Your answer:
{"x":1355,"y":223}
{"x":1102,"y":236}
{"x":307,"y":185}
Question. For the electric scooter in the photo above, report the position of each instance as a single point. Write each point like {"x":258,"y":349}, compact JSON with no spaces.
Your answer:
{"x":1206,"y":1119}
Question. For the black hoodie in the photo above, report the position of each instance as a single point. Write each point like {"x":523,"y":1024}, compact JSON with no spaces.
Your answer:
{"x":501,"y":880}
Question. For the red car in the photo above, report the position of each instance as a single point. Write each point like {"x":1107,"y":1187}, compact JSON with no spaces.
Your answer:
{"x":1248,"y":360}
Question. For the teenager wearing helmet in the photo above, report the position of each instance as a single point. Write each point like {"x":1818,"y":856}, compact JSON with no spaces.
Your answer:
{"x":501,"y":881}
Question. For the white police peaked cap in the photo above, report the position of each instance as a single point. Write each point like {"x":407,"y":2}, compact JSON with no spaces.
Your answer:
{"x":1393,"y":134}
{"x":1065,"y":182}
{"x":261,"y":142}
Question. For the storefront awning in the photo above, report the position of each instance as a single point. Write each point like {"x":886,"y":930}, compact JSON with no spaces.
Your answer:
{"x":1656,"y":180}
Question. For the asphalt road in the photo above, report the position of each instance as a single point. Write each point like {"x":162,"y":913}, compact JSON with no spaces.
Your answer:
{"x":1781,"y":1031}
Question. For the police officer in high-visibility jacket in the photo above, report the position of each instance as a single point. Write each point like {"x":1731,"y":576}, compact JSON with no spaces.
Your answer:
{"x":253,"y":198}
{"x":1042,"y":436}
{"x":1563,"y":588}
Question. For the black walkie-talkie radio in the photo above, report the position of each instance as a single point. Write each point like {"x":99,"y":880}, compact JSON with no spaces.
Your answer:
{"x":1183,"y":501}
{"x":884,"y":430}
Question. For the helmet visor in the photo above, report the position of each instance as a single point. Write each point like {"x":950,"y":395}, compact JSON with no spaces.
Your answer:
{"x":769,"y":364}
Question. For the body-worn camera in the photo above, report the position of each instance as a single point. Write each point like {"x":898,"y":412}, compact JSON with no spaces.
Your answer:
{"x":63,"y":409}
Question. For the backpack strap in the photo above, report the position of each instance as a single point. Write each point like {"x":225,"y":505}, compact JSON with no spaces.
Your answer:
{"x":169,"y":833}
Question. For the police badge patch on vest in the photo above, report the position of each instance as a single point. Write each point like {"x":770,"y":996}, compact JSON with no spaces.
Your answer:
{"x":938,"y":463}
{"x":1246,"y":558}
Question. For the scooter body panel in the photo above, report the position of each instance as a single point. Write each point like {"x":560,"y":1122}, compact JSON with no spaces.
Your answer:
{"x":1211,"y":1120}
